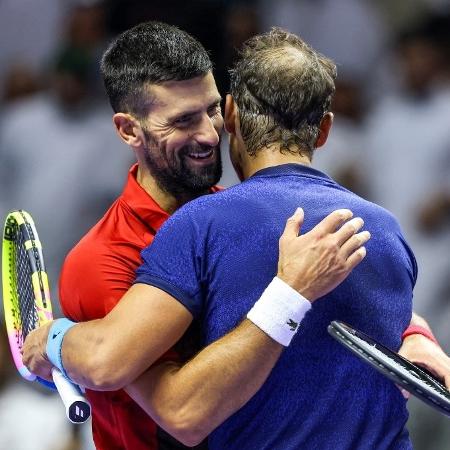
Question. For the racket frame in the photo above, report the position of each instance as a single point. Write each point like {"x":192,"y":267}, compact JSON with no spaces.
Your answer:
{"x":408,"y":380}
{"x":78,"y":409}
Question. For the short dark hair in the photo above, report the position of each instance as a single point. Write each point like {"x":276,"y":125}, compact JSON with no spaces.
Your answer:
{"x":282,"y":88}
{"x":149,"y":53}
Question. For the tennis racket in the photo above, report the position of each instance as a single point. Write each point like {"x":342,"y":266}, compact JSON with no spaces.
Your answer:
{"x":404,"y":373}
{"x":26,"y":300}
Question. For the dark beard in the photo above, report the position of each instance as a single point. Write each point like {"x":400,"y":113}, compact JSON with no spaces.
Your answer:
{"x":179,"y":178}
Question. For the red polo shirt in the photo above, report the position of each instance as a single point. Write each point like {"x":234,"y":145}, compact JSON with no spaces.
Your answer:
{"x":95,"y":275}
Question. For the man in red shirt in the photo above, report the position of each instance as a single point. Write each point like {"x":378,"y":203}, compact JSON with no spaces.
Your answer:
{"x":96,"y":274}
{"x":101,"y":268}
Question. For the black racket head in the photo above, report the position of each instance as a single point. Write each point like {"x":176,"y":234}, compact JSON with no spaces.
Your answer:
{"x":404,"y":373}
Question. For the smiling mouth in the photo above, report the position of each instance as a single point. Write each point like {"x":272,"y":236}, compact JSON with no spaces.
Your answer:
{"x":201,"y":155}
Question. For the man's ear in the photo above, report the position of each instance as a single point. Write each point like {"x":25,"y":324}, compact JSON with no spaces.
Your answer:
{"x":128,"y":129}
{"x":324,"y":129}
{"x":231,"y":117}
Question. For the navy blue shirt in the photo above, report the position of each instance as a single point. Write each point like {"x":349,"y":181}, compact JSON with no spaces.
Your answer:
{"x":218,"y":253}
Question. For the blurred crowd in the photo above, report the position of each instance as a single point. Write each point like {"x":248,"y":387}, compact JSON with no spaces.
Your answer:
{"x":61,"y":160}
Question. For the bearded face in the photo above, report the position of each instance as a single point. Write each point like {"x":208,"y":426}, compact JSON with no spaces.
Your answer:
{"x":191,"y":169}
{"x":182,"y":135}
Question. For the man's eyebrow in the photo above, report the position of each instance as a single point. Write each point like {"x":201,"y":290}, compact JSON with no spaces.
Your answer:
{"x":176,"y":116}
{"x":216,"y":101}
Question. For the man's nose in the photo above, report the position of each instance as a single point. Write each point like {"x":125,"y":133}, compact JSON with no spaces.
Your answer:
{"x":207,"y":132}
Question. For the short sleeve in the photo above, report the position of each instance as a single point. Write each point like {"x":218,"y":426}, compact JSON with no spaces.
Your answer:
{"x":173,"y":262}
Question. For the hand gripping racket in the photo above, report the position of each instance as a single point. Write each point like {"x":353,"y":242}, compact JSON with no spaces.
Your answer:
{"x":404,"y":373}
{"x":26,"y":299}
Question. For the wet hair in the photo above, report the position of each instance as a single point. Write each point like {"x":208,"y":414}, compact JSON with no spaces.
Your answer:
{"x":282,"y":88}
{"x":149,"y":53}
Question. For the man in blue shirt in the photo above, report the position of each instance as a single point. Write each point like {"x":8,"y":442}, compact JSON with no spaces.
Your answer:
{"x":318,"y":394}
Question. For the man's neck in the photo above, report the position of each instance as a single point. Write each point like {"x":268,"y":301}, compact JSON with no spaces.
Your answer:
{"x":168,"y":202}
{"x":269,"y":157}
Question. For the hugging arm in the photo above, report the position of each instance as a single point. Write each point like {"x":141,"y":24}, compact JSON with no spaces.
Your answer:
{"x":190,"y":401}
{"x":425,"y":352}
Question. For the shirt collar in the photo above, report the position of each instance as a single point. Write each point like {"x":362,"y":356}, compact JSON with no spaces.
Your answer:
{"x":291,"y":169}
{"x":142,"y":204}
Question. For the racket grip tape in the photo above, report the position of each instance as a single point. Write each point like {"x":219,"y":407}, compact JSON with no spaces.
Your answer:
{"x":78,"y":409}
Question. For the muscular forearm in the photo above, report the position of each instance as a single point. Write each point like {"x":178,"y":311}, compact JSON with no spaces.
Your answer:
{"x":110,"y":353}
{"x":192,"y":400}
{"x":93,"y":357}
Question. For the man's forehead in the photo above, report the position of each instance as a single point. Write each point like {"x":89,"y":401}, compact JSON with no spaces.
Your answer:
{"x":171,"y":93}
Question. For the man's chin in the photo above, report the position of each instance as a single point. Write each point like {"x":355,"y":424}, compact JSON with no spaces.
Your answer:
{"x":203,"y":173}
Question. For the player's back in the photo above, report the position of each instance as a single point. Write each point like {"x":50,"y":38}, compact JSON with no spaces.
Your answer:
{"x":318,"y":395}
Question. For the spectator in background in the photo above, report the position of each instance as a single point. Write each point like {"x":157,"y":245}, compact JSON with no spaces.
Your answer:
{"x":408,"y":168}
{"x":51,"y":146}
{"x":29,"y":33}
{"x":408,"y":148}
{"x":86,"y":34}
{"x":20,"y":81}
{"x":349,"y":31}
{"x":343,"y":155}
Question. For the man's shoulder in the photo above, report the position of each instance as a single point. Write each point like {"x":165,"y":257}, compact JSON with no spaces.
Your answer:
{"x":101,"y":266}
{"x":367,"y":209}
{"x":117,"y":235}
{"x":203,"y":211}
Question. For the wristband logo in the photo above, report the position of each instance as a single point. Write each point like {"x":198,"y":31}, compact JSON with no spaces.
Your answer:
{"x":56,"y":334}
{"x":292,"y":324}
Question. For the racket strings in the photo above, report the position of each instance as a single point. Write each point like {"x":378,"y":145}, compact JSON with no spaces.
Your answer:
{"x":28,"y":313}
{"x":14,"y":305}
{"x":37,"y":258}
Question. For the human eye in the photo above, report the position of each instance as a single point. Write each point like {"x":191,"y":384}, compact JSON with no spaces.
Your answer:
{"x":214,"y":110}
{"x":183,"y":121}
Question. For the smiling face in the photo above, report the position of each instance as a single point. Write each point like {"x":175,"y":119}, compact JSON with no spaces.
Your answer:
{"x":182,"y":135}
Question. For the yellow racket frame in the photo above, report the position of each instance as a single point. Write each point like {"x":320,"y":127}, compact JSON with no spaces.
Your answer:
{"x":39,"y":280}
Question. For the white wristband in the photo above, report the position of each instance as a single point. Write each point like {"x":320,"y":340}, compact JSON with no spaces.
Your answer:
{"x":279,"y":311}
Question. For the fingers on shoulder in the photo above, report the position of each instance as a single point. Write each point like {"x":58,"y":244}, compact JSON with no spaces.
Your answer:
{"x":293,"y":224}
{"x":334,"y":220}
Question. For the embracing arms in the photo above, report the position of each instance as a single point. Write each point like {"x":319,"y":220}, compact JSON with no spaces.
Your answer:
{"x":109,"y":353}
{"x":191,"y":400}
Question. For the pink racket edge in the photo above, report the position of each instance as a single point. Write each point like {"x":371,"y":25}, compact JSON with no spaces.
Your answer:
{"x":17,"y":357}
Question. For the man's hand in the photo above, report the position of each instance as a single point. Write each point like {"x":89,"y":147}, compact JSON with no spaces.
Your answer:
{"x":34,"y":353}
{"x":422,"y":351}
{"x":318,"y":261}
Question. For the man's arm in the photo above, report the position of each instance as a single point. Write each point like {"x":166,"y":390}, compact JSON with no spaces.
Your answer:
{"x":191,"y":400}
{"x":425,"y":352}
{"x":109,"y":353}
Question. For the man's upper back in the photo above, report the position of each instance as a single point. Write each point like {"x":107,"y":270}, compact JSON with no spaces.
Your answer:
{"x":222,"y":254}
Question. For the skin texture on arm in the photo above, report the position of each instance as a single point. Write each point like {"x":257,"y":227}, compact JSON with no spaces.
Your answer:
{"x":424,"y":352}
{"x":191,"y":400}
{"x":109,"y":353}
